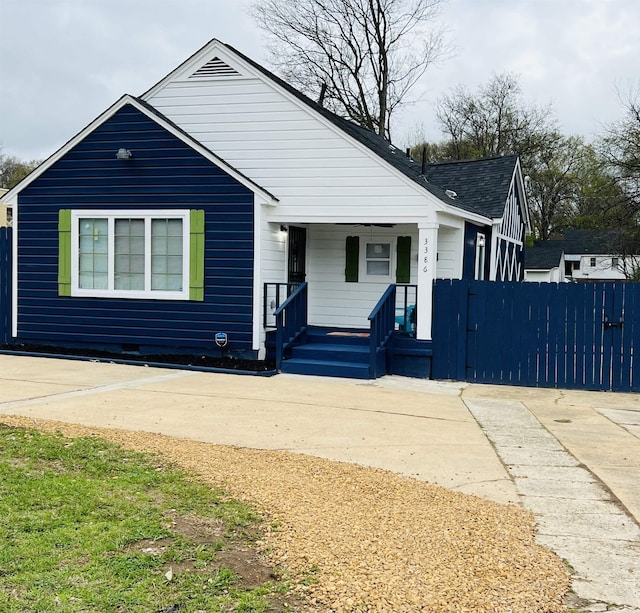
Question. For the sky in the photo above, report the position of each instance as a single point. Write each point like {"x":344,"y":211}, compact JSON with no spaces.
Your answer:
{"x":63,"y":62}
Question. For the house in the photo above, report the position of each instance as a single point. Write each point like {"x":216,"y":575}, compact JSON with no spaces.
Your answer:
{"x":581,"y":255}
{"x":223,"y":204}
{"x":544,"y":262}
{"x":6,"y":212}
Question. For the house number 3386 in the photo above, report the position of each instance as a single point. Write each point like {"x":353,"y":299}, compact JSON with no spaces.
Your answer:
{"x":425,"y":255}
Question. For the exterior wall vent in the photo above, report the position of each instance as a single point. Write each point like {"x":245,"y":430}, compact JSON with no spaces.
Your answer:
{"x":213,"y":69}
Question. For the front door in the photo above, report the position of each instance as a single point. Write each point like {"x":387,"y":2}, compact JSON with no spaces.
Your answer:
{"x":296,"y":271}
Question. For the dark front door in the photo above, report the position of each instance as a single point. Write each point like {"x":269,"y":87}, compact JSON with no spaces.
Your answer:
{"x":297,"y":254}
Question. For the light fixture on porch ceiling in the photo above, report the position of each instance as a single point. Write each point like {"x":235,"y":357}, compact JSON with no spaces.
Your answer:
{"x":123,"y":154}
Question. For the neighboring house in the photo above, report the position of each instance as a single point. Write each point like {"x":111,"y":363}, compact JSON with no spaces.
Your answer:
{"x":581,"y":255}
{"x":544,"y":262}
{"x":6,"y":211}
{"x":179,"y":215}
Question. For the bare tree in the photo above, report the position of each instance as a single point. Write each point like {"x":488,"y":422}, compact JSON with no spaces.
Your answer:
{"x":620,"y":146}
{"x":361,"y":56}
{"x":496,"y":120}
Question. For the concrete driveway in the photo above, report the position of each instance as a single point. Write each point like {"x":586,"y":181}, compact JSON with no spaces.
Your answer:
{"x":573,"y":458}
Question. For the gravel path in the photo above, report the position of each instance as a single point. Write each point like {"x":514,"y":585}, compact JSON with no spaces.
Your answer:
{"x":371,"y":540}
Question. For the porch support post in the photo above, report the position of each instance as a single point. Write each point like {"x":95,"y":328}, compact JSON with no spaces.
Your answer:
{"x":427,"y":252}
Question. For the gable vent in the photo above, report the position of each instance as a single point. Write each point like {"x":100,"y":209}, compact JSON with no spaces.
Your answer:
{"x":214,"y":68}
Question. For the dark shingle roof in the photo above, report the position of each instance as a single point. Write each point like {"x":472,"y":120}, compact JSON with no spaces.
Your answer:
{"x":544,"y":255}
{"x":482,"y":185}
{"x":591,"y":242}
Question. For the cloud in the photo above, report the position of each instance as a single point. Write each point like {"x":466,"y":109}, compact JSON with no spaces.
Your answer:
{"x":62,"y":62}
{"x":572,"y":53}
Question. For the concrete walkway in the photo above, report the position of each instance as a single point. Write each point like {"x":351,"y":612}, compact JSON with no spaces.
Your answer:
{"x":573,"y":458}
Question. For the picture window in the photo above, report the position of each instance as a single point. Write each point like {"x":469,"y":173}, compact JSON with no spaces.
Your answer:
{"x":130,"y":254}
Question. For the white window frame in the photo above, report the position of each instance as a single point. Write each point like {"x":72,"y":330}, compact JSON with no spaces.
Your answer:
{"x":367,"y":278}
{"x":147,"y":216}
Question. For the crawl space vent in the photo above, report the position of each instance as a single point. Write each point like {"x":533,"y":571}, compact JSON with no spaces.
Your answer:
{"x":213,"y":69}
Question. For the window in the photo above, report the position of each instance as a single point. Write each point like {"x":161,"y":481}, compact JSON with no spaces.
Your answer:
{"x":570,"y":267}
{"x":592,"y":262}
{"x":132,"y":254}
{"x":614,"y":262}
{"x":375,"y":261}
{"x":378,"y":260}
{"x":480,"y":256}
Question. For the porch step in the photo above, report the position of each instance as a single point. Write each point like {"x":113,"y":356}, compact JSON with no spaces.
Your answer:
{"x":337,"y":336}
{"x":341,"y":352}
{"x":326,"y":368}
{"x":330,"y":352}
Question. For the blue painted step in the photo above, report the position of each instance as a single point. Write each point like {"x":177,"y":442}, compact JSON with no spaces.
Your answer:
{"x":327,"y":368}
{"x":335,"y":336}
{"x":331,"y":352}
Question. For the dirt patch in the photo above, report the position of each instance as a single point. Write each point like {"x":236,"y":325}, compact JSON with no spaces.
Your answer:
{"x":361,"y":539}
{"x":197,"y":529}
{"x":237,"y":555}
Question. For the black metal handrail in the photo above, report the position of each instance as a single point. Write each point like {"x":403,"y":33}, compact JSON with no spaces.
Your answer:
{"x":407,"y":308}
{"x":274,"y":294}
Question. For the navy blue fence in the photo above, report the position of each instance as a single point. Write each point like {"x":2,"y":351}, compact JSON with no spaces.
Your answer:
{"x":567,"y":335}
{"x":5,"y":285}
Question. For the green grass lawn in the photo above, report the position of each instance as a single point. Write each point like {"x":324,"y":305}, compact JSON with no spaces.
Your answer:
{"x":87,"y":526}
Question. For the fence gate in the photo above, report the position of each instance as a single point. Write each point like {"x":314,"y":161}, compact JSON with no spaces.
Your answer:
{"x":571,"y":335}
{"x":5,"y":285}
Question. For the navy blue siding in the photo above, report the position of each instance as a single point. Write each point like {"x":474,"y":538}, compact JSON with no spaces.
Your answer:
{"x":163,"y":173}
{"x":469,"y":253}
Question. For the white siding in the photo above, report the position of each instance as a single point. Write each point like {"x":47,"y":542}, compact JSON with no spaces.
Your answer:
{"x":315,"y":171}
{"x":333,"y":301}
{"x":603,"y":269}
{"x":274,"y":247}
{"x":543,"y":276}
{"x":273,"y":268}
{"x":449,"y":265}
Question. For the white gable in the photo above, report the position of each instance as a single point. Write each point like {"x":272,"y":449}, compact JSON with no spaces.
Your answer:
{"x":317,"y":171}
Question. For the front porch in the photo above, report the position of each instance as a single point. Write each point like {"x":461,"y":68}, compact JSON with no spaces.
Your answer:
{"x":387,"y":346}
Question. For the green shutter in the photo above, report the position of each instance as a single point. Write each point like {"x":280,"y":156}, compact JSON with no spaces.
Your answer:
{"x":196,"y":256}
{"x":64,"y":252}
{"x":352,"y":259}
{"x":403,"y":266}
